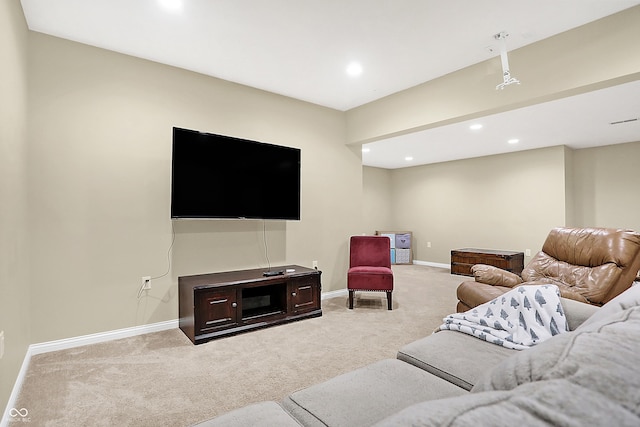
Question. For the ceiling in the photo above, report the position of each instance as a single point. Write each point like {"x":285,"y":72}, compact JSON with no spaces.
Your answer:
{"x":580,"y":121}
{"x":302,"y":48}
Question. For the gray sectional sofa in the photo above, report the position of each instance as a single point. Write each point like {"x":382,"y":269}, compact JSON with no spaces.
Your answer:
{"x":588,"y":376}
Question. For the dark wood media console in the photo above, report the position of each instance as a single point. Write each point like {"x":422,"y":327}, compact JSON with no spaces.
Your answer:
{"x":220,"y":304}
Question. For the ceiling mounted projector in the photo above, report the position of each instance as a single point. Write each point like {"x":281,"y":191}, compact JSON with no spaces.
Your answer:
{"x":506,"y":74}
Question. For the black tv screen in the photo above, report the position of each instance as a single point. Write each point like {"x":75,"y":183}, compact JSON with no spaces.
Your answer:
{"x":216,"y":176}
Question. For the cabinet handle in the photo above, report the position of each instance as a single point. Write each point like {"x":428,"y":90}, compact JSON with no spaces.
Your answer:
{"x":234,"y":305}
{"x":293,"y":294}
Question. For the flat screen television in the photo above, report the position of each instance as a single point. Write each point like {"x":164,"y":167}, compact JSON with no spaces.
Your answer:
{"x":217,"y":176}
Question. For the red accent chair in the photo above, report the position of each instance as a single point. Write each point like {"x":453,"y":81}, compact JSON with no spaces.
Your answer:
{"x":370,"y":266}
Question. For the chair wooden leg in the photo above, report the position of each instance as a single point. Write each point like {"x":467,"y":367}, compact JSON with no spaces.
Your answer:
{"x":351,"y":300}
{"x":389,"y":301}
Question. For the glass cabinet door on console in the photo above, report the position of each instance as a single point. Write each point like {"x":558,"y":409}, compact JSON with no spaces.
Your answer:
{"x":261,"y":301}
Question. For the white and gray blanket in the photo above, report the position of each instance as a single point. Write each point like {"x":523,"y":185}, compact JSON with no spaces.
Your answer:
{"x":519,"y":319}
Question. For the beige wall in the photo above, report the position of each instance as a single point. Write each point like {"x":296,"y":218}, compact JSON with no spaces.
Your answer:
{"x":95,"y":164}
{"x":606,"y":190}
{"x":100,"y":138}
{"x":569,"y":185}
{"x":507,"y":201}
{"x":14,"y":261}
{"x":376,"y":192}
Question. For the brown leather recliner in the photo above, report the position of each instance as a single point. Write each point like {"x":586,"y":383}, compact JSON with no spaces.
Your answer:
{"x":591,"y":265}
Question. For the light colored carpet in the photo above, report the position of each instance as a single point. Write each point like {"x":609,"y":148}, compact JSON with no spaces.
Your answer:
{"x":162,"y":379}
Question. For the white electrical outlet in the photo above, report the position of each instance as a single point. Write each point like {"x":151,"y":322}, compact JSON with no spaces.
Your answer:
{"x":527,"y":252}
{"x":146,"y":282}
{"x":428,"y":244}
{"x":315,"y":264}
{"x":1,"y":344}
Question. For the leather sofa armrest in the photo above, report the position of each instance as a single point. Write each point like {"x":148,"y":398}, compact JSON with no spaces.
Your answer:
{"x":495,"y":276}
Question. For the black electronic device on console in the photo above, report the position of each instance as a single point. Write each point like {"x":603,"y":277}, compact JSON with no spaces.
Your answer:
{"x":273,"y":273}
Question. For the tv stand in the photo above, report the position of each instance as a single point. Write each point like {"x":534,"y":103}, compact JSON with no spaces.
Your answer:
{"x":220,"y":304}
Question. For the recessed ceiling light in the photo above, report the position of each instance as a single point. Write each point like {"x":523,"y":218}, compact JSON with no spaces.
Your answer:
{"x":354,"y":69}
{"x":408,"y":158}
{"x":172,"y":5}
{"x":513,"y":141}
{"x":365,"y":150}
{"x":475,"y":126}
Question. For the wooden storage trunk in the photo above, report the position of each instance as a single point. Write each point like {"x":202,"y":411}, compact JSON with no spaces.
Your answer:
{"x":463,"y":259}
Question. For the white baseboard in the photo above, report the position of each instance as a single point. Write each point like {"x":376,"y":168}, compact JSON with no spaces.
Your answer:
{"x":6,"y":416}
{"x":83,"y":340}
{"x":343,"y":292}
{"x":432,"y":264}
{"x":68,"y":343}
{"x":334,"y":294}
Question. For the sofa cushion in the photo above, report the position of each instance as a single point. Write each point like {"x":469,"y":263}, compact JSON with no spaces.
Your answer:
{"x":370,"y":278}
{"x":577,"y":312}
{"x":367,"y":395}
{"x":456,"y":357}
{"x":602,"y":357}
{"x":544,"y":403}
{"x":267,"y":414}
{"x":627,"y":299}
